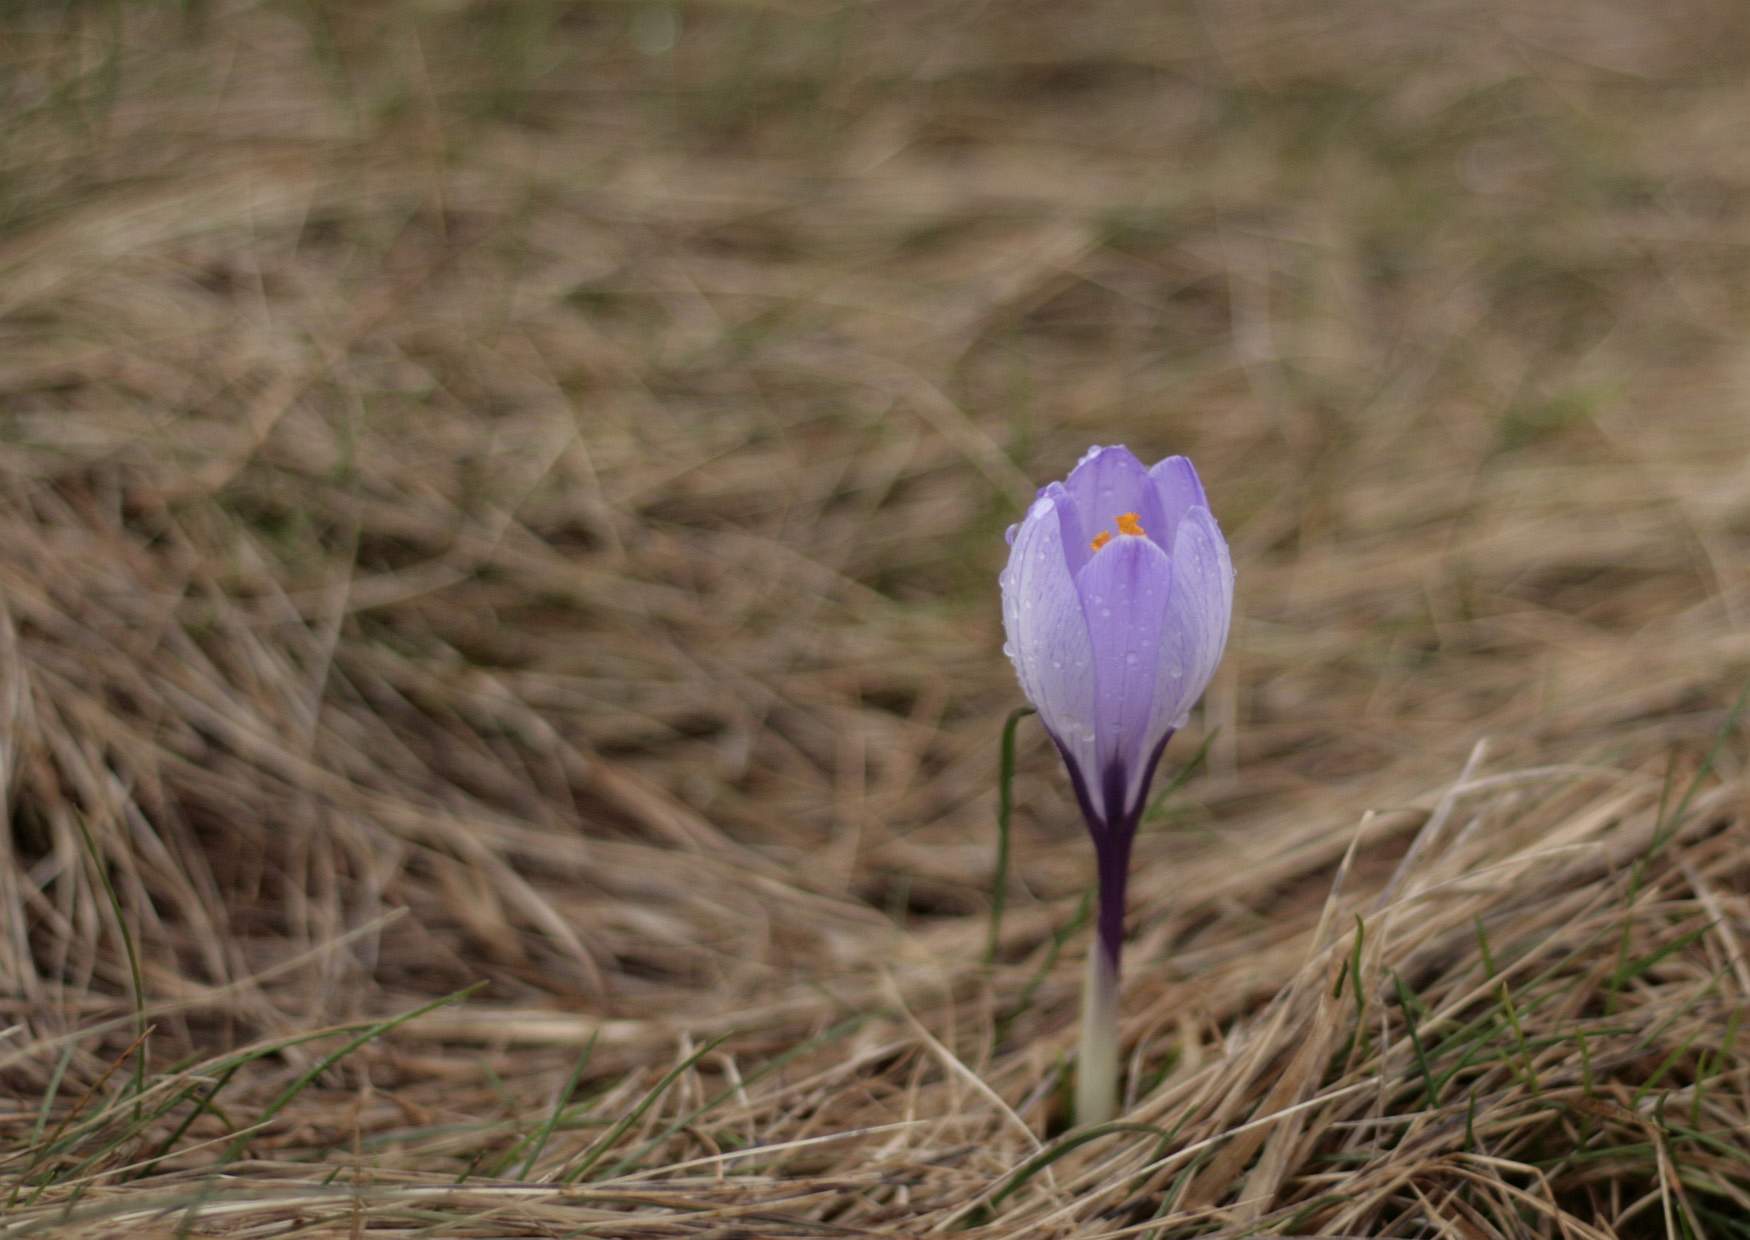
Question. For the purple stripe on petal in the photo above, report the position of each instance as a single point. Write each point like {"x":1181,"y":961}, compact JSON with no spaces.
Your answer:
{"x":1079,"y":785}
{"x":1124,"y":589}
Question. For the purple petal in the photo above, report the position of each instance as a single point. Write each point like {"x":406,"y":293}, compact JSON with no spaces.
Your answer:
{"x":1198,"y":614}
{"x":1178,"y":489}
{"x":1125,"y":588}
{"x":1075,"y":539}
{"x":1047,"y":633}
{"x":1106,"y":483}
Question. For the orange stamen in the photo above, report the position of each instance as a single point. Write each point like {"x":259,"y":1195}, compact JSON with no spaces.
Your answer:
{"x":1101,"y":539}
{"x":1129,"y":523}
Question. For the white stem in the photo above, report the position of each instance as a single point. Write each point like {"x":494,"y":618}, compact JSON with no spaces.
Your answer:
{"x":1097,"y":1066}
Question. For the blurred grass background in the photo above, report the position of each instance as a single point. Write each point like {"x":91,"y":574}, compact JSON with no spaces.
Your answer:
{"x":512,"y":493}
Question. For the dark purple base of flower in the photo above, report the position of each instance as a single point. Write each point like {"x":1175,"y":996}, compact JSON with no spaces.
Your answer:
{"x":1113,"y":834}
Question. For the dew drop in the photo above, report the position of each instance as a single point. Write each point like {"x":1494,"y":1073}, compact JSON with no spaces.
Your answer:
{"x":1130,"y":657}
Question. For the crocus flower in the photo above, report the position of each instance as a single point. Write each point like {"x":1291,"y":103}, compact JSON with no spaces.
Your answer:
{"x":1116,"y":602}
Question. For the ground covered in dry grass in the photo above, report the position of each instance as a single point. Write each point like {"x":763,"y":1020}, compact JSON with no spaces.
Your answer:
{"x":500,"y":686}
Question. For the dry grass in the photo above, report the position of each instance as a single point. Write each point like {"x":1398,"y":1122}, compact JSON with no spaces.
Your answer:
{"x":508,"y":495}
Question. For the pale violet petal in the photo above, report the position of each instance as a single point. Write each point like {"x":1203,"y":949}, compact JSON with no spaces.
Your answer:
{"x":1198,"y":613}
{"x":1107,"y":483}
{"x":1069,"y":520}
{"x":1178,"y":490}
{"x":1047,"y":634}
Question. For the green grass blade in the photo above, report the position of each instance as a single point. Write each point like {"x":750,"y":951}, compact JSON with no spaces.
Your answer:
{"x":1005,"y":809}
{"x":136,"y":978}
{"x":54,"y":1088}
{"x":371,"y":1034}
{"x":1158,"y":806}
{"x":1407,"y":1002}
{"x":1084,"y":910}
{"x":205,"y":1104}
{"x":1018,"y":1178}
{"x":599,"y":1150}
{"x":774,"y":1064}
{"x":558,"y":1108}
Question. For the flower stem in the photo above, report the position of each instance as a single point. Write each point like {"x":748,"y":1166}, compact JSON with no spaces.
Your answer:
{"x":1097,"y":1065}
{"x":1097,"y":1069}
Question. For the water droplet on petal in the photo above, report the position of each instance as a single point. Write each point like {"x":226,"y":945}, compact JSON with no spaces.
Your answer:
{"x":1130,"y":657}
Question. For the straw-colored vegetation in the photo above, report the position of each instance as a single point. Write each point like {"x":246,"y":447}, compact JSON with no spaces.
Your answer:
{"x":500,"y":687}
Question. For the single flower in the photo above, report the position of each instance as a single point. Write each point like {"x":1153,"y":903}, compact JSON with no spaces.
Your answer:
{"x":1116,"y":603}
